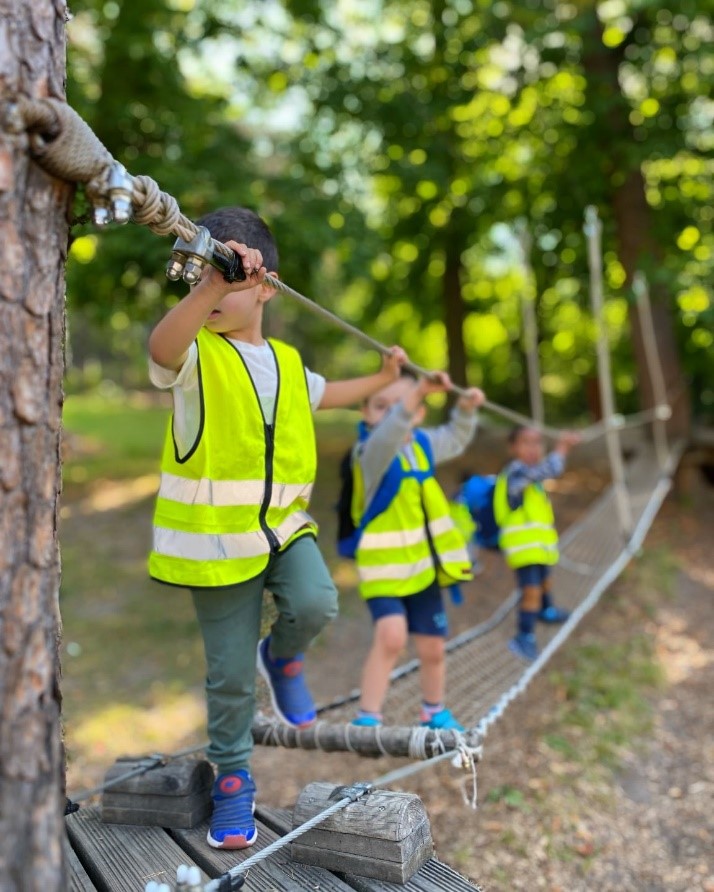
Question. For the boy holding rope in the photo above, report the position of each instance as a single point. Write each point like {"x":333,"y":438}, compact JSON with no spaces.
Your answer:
{"x":231,"y":517}
{"x":408,"y":545}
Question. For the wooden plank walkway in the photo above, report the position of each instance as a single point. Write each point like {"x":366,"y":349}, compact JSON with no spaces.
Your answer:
{"x":123,"y":858}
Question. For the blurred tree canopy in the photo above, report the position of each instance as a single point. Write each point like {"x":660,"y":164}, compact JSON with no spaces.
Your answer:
{"x":395,"y":145}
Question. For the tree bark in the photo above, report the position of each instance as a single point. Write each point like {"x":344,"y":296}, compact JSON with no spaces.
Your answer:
{"x":33,"y":247}
{"x":454,"y":312}
{"x":637,"y":246}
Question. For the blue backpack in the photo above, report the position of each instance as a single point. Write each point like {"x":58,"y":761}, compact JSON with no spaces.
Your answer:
{"x":476,"y":494}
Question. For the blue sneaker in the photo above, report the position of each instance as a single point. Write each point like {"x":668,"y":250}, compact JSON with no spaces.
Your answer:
{"x":232,"y":822}
{"x":290,"y":697}
{"x":524,"y":646}
{"x":553,"y":615}
{"x":442,"y":721}
{"x":366,"y":721}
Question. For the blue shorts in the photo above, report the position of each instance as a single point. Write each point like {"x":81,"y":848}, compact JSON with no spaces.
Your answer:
{"x":534,"y":574}
{"x":423,"y":611}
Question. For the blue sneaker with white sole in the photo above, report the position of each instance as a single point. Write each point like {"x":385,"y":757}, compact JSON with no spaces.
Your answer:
{"x":442,"y":721}
{"x":289,"y":693}
{"x":524,"y":646}
{"x":232,"y":823}
{"x":553,"y":615}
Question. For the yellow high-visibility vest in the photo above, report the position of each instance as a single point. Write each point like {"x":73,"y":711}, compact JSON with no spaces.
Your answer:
{"x":414,"y":540}
{"x":527,"y":534}
{"x":242,"y":490}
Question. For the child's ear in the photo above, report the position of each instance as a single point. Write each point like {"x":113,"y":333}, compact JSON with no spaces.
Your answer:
{"x":267,"y":291}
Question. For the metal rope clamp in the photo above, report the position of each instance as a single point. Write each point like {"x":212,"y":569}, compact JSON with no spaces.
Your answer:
{"x":353,"y":792}
{"x":188,"y":259}
{"x":112,"y":201}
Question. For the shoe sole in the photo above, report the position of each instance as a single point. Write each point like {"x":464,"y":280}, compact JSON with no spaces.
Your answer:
{"x":263,"y":669}
{"x":236,"y":841}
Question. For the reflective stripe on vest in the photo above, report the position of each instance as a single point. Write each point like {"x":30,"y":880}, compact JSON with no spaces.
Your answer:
{"x":527,"y":535}
{"x":242,"y":491}
{"x":394,"y":556}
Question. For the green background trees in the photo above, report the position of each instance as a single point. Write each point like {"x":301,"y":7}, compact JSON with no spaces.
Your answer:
{"x":394,"y":146}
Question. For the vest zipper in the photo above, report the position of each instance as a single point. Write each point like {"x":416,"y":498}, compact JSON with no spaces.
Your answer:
{"x":269,"y":452}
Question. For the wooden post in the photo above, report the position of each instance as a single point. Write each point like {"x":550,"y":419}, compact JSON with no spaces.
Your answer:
{"x":384,"y":835}
{"x":593,"y":232}
{"x":654,"y":366}
{"x":530,"y":325}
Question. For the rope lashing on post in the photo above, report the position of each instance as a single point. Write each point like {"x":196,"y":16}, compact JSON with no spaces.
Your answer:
{"x":65,"y":145}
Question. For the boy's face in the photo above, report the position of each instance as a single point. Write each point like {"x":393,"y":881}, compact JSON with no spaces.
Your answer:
{"x":239,"y":310}
{"x":377,"y":405}
{"x":528,"y":446}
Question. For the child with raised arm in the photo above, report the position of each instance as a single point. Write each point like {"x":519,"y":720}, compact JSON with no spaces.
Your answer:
{"x":231,"y":515}
{"x":408,"y":546}
{"x":528,"y":538}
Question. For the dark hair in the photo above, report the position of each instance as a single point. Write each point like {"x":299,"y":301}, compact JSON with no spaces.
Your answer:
{"x":516,"y":431}
{"x":408,"y":373}
{"x":241,"y":225}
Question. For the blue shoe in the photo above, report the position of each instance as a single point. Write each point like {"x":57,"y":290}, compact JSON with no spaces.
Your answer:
{"x":553,"y":615}
{"x":524,"y":646}
{"x":290,"y":697}
{"x":366,"y":721}
{"x":232,"y":822}
{"x":443,"y":721}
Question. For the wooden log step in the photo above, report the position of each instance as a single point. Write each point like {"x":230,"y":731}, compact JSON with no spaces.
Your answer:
{"x":177,"y":794}
{"x":384,"y":835}
{"x":120,"y":857}
{"x":432,"y":877}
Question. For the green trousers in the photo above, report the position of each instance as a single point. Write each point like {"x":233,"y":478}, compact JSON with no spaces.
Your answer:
{"x":306,"y":599}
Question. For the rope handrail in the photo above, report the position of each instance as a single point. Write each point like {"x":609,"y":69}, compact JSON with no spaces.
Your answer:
{"x":66,"y":146}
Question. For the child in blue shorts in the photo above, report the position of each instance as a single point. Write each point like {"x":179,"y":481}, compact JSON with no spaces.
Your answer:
{"x":527,"y":534}
{"x":408,"y":545}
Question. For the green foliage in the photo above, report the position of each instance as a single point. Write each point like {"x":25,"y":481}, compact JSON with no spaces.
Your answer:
{"x":394,"y":147}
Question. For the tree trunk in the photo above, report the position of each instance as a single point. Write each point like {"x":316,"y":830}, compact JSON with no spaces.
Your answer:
{"x":454,"y":312}
{"x":33,"y":243}
{"x":637,"y":246}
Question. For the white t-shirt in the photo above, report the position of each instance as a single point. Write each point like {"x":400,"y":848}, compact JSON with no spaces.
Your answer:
{"x":260,"y":362}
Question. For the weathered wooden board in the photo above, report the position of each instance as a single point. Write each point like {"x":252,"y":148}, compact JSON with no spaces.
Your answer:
{"x":120,"y":857}
{"x":385,"y":835}
{"x":78,"y":877}
{"x":276,"y":874}
{"x":432,"y":877}
{"x":177,"y":794}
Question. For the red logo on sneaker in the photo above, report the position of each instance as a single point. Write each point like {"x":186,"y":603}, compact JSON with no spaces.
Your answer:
{"x":230,"y":784}
{"x":292,"y":669}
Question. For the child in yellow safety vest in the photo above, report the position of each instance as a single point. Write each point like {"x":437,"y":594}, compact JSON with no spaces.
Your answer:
{"x":231,"y":517}
{"x":407,"y":543}
{"x":527,"y":534}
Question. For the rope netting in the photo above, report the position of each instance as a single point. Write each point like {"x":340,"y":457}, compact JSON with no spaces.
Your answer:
{"x":481,"y":671}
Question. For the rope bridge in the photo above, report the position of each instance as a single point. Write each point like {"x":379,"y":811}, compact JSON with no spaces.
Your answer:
{"x":483,"y":675}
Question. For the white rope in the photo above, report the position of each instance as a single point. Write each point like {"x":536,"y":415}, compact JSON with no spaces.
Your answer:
{"x":654,"y":366}
{"x":530,"y":324}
